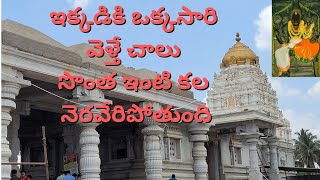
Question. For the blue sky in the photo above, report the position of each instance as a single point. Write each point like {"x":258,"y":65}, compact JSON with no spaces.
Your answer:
{"x":202,"y":46}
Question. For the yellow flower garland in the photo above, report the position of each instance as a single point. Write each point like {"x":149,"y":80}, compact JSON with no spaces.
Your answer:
{"x":308,"y":32}
{"x":293,"y":32}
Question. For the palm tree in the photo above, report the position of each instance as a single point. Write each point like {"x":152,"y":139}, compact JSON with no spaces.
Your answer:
{"x":307,"y":148}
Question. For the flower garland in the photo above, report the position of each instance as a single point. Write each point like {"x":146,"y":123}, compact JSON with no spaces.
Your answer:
{"x":308,"y":32}
{"x":293,"y":32}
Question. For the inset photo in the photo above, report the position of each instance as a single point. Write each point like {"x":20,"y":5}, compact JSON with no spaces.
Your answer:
{"x":296,"y":41}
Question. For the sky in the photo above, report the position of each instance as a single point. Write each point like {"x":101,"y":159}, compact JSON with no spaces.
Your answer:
{"x":202,"y":46}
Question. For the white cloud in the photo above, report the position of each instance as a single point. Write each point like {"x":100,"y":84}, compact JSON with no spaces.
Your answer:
{"x":79,"y":3}
{"x":263,"y":36}
{"x":292,"y":92}
{"x":299,"y":120}
{"x":314,"y":91}
{"x":307,"y":118}
{"x":282,"y":89}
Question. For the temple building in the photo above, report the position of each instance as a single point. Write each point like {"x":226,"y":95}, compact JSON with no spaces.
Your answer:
{"x":247,"y":139}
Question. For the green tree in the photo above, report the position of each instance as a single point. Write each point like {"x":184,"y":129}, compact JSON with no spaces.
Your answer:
{"x":307,"y":149}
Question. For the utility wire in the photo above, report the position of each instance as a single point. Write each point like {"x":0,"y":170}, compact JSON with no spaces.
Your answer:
{"x":57,"y":95}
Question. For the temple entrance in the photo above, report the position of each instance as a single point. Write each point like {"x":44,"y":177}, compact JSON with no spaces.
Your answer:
{"x":31,"y":143}
{"x":120,"y":147}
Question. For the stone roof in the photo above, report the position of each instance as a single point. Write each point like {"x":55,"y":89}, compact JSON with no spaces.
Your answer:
{"x":28,"y":32}
{"x":32,"y":41}
{"x":29,"y":40}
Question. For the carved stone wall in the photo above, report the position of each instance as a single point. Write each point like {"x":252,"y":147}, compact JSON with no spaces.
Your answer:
{"x":240,"y":88}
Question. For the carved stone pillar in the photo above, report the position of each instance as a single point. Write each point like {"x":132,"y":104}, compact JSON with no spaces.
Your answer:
{"x":89,"y":137}
{"x":251,"y":133}
{"x":22,"y":108}
{"x":89,"y":152}
{"x":198,"y":135}
{"x":152,"y":146}
{"x":254,"y":171}
{"x":14,"y":139}
{"x":12,"y":82}
{"x":274,"y":169}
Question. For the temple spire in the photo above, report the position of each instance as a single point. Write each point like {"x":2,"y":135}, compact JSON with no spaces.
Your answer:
{"x":238,"y":38}
{"x":239,"y":54}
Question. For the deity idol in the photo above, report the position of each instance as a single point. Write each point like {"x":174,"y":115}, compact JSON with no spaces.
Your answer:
{"x":300,"y":34}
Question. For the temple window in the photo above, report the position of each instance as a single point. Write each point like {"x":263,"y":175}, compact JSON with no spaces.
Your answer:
{"x":172,"y":144}
{"x":235,"y":152}
{"x":237,"y":155}
{"x":174,"y":149}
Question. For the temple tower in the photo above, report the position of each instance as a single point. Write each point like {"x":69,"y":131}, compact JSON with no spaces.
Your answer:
{"x":246,"y":116}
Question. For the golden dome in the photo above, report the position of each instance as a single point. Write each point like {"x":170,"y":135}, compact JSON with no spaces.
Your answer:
{"x":239,"y":54}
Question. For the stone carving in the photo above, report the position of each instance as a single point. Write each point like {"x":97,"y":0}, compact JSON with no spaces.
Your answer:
{"x":152,"y":152}
{"x":254,"y":170}
{"x":232,"y":101}
{"x":152,"y":146}
{"x":199,"y":152}
{"x":274,"y":170}
{"x":249,"y":83}
{"x":89,"y":137}
{"x":12,"y":82}
{"x":14,"y":139}
{"x":89,"y":152}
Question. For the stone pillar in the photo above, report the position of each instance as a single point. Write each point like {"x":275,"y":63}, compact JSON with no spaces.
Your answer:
{"x":14,"y":139}
{"x":89,"y":137}
{"x":211,"y":159}
{"x":265,"y":154}
{"x":22,"y":108}
{"x":254,"y":171}
{"x":213,"y":156}
{"x":216,"y":160}
{"x":152,"y":146}
{"x":12,"y":82}
{"x":225,"y":152}
{"x":274,"y":173}
{"x":198,"y":135}
{"x":89,"y":152}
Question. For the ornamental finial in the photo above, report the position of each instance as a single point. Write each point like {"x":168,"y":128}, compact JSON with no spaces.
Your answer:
{"x":238,"y":38}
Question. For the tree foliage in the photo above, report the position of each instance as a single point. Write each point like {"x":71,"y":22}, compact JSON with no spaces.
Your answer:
{"x":307,"y":150}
